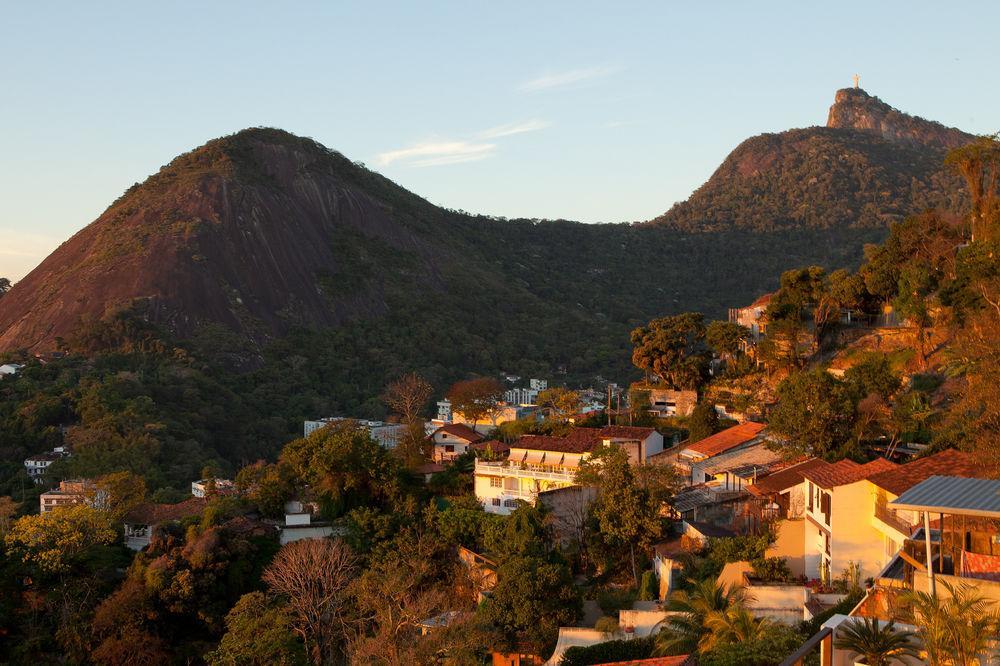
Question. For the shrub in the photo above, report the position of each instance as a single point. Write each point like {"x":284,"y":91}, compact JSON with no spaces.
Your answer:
{"x":609,"y":652}
{"x":649,"y":589}
{"x":607,"y":625}
{"x":613,"y":600}
{"x":771,"y":569}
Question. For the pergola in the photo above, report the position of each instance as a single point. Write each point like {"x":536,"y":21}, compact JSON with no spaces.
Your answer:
{"x":975,"y":501}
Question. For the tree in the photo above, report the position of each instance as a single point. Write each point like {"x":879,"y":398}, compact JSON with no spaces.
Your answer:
{"x":684,"y":630}
{"x":267,"y":486}
{"x":979,"y":164}
{"x":259,"y":631}
{"x":672,"y":348}
{"x":872,"y":375}
{"x":408,"y":396}
{"x":476,"y":399}
{"x":956,"y":628}
{"x":56,"y":541}
{"x":916,"y":284}
{"x":703,"y":421}
{"x":772,"y":647}
{"x":879,"y":645}
{"x":343,"y":466}
{"x":733,"y":625}
{"x":815,"y":413}
{"x":627,"y":513}
{"x":559,"y":402}
{"x":532,"y":598}
{"x":117,"y":494}
{"x":313,"y":576}
{"x":726,"y":338}
{"x":4,"y":286}
{"x":8,"y":509}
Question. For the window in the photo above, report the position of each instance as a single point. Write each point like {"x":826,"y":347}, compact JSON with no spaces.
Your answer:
{"x":810,"y":496}
{"x":496,"y":501}
{"x":510,"y":504}
{"x":449,"y":448}
{"x":496,"y":482}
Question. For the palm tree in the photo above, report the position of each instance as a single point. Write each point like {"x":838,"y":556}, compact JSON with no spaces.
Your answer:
{"x":683,"y":631}
{"x":955,"y":630}
{"x":735,"y":625}
{"x":880,"y":645}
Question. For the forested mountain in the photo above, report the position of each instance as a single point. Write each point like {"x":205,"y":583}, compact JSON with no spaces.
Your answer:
{"x":870,"y":166}
{"x":263,"y":235}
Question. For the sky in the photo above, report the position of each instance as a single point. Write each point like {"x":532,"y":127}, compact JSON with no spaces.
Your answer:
{"x":597,"y":112}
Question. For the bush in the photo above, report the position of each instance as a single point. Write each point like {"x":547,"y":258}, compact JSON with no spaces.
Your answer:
{"x":779,"y":642}
{"x":613,"y":600}
{"x":649,"y":589}
{"x":771,"y":569}
{"x":737,"y":549}
{"x":607,"y":625}
{"x":609,"y":652}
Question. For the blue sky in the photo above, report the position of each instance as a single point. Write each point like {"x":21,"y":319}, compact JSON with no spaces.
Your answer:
{"x":599,"y":112}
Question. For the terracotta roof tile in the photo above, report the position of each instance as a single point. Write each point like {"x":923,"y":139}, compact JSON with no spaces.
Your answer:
{"x":680,"y":660}
{"x":784,"y":479}
{"x":461,"y":431}
{"x":632,"y":432}
{"x":949,"y":462}
{"x":578,"y":443}
{"x":844,"y":472}
{"x":494,"y":445}
{"x":727,"y":439}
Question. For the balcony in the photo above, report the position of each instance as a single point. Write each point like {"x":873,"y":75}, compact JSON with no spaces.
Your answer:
{"x":892,"y":519}
{"x":523,"y":471}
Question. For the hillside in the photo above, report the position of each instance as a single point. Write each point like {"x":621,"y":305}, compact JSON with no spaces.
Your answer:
{"x":871,"y":165}
{"x":263,"y":232}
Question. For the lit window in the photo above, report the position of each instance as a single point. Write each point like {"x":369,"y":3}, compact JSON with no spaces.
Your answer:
{"x":496,"y":482}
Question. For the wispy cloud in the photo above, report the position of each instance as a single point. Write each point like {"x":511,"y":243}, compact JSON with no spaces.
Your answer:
{"x":513,"y":128}
{"x":564,"y":79}
{"x":436,"y":153}
{"x":439,"y":152}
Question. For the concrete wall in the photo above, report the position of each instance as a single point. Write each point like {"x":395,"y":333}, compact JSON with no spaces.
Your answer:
{"x":790,"y":544}
{"x":645,"y":622}
{"x":568,"y":507}
{"x":781,"y":603}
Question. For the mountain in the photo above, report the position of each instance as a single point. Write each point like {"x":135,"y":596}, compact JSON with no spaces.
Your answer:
{"x":871,"y":165}
{"x":262,"y":237}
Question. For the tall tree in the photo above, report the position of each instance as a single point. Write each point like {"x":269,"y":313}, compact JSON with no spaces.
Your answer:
{"x":560,"y":402}
{"x":672,"y":348}
{"x":979,"y":164}
{"x":259,"y":631}
{"x":627,"y":513}
{"x":4,"y":286}
{"x":703,"y":421}
{"x":476,"y":399}
{"x":408,"y":396}
{"x":815,"y":413}
{"x":313,"y":576}
{"x":726,"y":338}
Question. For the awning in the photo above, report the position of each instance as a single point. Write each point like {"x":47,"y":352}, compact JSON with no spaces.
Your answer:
{"x":952,"y":494}
{"x":534,"y":457}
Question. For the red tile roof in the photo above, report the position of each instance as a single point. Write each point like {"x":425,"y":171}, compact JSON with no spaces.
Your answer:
{"x":945,"y":463}
{"x":728,"y":439}
{"x":461,"y":431}
{"x":630,"y":432}
{"x":784,"y":479}
{"x":845,"y":472}
{"x":150,"y":513}
{"x":493,"y":445}
{"x":580,"y":440}
{"x":762,"y":301}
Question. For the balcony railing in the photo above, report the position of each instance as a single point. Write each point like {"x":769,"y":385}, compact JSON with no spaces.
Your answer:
{"x":892,"y":519}
{"x":507,"y":468}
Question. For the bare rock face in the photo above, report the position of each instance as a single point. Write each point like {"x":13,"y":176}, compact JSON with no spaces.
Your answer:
{"x":853,"y":108}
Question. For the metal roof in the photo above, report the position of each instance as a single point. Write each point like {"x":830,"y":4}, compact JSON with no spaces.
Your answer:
{"x":758,"y":455}
{"x":953,"y":494}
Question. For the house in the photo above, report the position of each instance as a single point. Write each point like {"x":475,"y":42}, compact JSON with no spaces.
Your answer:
{"x":206,"y":487}
{"x":665,"y":402}
{"x":386,"y":434}
{"x":849,"y":512}
{"x":503,"y":413}
{"x":68,"y":493}
{"x":299,"y":523}
{"x":538,"y":463}
{"x":10,"y":369}
{"x":142,"y":521}
{"x":959,"y":538}
{"x":452,"y":440}
{"x":691,"y":458}
{"x":37,"y":465}
{"x":429,"y":470}
{"x":782,"y":494}
{"x":753,"y":317}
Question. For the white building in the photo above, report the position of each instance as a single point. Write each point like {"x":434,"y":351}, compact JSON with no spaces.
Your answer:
{"x":538,"y":384}
{"x":10,"y":369}
{"x":444,"y":410}
{"x":538,"y":463}
{"x":68,"y":493}
{"x":521,"y":396}
{"x":299,"y":524}
{"x":452,"y":440}
{"x":386,"y":434}
{"x":37,"y":465}
{"x":201,"y":487}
